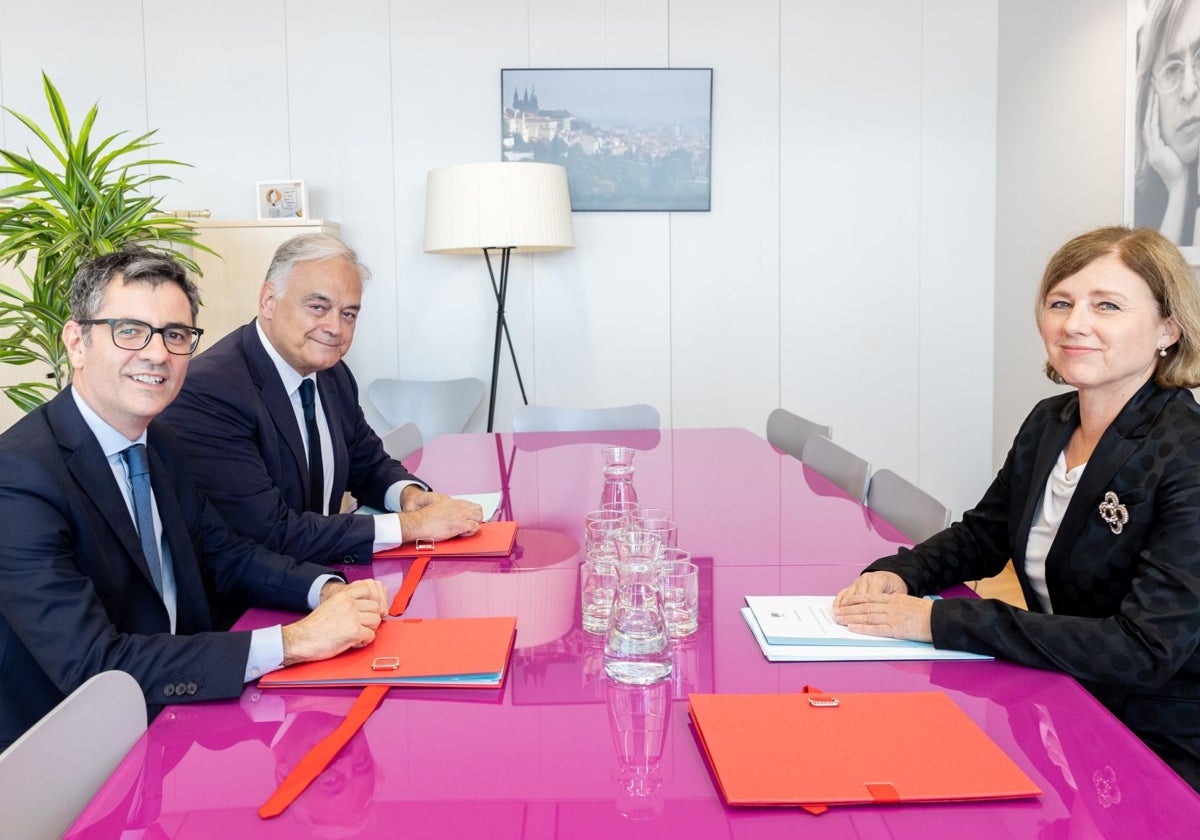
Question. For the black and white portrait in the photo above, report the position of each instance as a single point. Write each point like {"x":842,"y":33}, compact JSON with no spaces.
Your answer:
{"x":1165,"y":120}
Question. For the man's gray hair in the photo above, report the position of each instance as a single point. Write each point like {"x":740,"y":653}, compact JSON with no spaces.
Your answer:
{"x":308,"y":247}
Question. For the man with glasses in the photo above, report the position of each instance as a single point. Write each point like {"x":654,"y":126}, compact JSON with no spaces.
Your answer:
{"x":1168,"y":120}
{"x":107,"y":549}
{"x":271,"y":418}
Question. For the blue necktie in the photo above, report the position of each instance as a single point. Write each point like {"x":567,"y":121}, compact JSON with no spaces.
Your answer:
{"x":143,"y":514}
{"x":316,"y":470}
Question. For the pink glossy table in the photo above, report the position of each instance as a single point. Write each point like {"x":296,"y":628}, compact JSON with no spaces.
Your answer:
{"x":538,"y":758}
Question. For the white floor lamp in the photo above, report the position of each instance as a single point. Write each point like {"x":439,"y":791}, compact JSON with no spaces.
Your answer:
{"x":505,"y":207}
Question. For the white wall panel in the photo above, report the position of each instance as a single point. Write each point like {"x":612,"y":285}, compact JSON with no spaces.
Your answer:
{"x":217,"y":89}
{"x":850,"y":297}
{"x":340,"y":124}
{"x":725,"y":263}
{"x":957,"y":250}
{"x":83,"y":61}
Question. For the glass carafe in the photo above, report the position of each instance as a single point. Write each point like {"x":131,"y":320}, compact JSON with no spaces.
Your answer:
{"x":618,"y":475}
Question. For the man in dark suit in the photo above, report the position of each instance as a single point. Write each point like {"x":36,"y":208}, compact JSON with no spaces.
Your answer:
{"x":107,"y":548}
{"x":276,"y":454}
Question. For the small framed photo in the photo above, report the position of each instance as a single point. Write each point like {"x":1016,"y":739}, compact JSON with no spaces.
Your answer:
{"x":281,"y":199}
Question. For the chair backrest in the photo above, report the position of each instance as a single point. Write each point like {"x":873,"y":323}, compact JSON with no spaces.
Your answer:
{"x":545,"y":418}
{"x":402,"y":441}
{"x":839,"y":465}
{"x":436,"y":407}
{"x":51,"y":772}
{"x":789,"y":432}
{"x":907,"y":507}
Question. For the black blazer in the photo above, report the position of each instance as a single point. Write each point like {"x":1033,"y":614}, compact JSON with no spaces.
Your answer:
{"x":1126,"y":619}
{"x":238,"y":426}
{"x":76,"y":596}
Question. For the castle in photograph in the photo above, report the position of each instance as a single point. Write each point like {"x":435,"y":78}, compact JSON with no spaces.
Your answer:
{"x":614,"y":164}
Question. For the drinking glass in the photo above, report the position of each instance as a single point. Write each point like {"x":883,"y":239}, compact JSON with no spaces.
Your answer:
{"x":600,"y":526}
{"x":649,"y":513}
{"x":597,"y":585}
{"x":635,"y":647}
{"x":665,"y":528}
{"x":680,"y":586}
{"x":637,"y":555}
{"x":626,"y":509}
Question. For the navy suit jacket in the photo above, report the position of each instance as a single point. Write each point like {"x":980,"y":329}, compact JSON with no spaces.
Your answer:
{"x":1126,"y":619}
{"x":238,"y":426}
{"x":76,"y":596}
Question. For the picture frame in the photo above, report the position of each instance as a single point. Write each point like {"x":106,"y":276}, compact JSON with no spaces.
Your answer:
{"x":1162,"y":134}
{"x":285,"y":199}
{"x":631,"y":139}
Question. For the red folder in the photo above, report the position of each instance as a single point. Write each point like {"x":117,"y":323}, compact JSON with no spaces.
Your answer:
{"x":438,"y":652}
{"x":817,"y":750}
{"x":493,"y":539}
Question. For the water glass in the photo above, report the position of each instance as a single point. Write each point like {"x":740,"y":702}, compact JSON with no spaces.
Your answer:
{"x":635,"y":647}
{"x":626,"y":509}
{"x":680,"y":586}
{"x":600,"y":526}
{"x":637,"y":555}
{"x":665,"y":528}
{"x":597,"y":585}
{"x":649,"y":513}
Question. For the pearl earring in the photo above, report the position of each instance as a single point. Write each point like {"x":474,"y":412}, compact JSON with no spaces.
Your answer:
{"x":1162,"y":350}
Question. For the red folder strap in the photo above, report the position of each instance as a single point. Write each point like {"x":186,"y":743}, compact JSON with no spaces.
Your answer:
{"x":400,"y":602}
{"x":317,"y":759}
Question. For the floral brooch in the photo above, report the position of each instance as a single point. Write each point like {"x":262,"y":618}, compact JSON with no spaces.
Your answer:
{"x":1113,"y":512}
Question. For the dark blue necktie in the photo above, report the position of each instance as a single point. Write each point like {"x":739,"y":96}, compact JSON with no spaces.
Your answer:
{"x":316,"y":469}
{"x":143,"y":514}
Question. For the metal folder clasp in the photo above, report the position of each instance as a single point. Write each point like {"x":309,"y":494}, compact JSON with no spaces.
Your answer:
{"x":424,"y":545}
{"x":824,"y":701}
{"x":386,"y":663}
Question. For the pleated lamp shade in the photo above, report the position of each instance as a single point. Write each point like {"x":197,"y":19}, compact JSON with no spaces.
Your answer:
{"x":517,"y":205}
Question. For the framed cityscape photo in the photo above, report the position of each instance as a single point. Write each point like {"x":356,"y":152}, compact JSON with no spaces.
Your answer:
{"x":630,"y":139}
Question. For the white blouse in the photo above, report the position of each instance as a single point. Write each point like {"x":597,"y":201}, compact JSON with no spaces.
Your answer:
{"x":1060,"y":487}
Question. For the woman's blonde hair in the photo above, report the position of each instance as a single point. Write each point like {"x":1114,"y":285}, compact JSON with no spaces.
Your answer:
{"x":1154,"y":258}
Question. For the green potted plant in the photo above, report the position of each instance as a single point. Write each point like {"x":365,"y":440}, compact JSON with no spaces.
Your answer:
{"x":89,"y":199}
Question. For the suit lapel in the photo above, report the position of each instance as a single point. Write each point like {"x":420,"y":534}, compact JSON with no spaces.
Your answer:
{"x":86,"y":462}
{"x":1050,"y":444}
{"x":1117,"y":444}
{"x":276,"y":399}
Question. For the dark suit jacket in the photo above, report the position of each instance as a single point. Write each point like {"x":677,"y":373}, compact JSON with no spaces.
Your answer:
{"x":76,"y":596}
{"x":238,"y":426}
{"x":1126,"y":619}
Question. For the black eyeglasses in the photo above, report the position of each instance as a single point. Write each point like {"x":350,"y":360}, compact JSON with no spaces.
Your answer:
{"x":130,"y":334}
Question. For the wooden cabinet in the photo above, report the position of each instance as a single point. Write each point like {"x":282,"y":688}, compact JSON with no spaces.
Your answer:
{"x":230,"y":284}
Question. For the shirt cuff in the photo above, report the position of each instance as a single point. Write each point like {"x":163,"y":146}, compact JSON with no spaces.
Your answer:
{"x":391,"y":499}
{"x":388,"y":533}
{"x":314,"y":591}
{"x":266,"y":652}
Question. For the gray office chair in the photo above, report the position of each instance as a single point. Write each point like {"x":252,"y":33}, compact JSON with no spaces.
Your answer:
{"x":788,"y":431}
{"x":436,"y":407}
{"x":51,"y":772}
{"x":545,"y":418}
{"x":908,"y":508}
{"x":839,"y":465}
{"x":402,"y":441}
